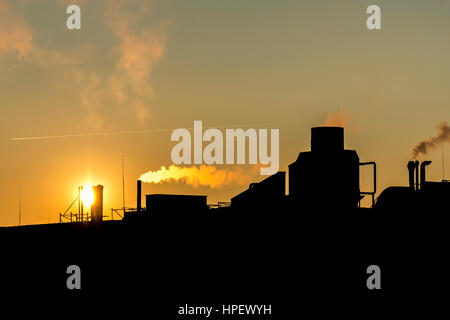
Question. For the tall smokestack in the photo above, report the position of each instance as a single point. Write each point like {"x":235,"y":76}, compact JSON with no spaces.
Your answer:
{"x":139,"y":196}
{"x":97,"y":205}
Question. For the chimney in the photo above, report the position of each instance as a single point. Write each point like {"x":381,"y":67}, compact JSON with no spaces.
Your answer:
{"x":423,"y":173}
{"x":139,"y":196}
{"x":97,"y":205}
{"x":327,"y":139}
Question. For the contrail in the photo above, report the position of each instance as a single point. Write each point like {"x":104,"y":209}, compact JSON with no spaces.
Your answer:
{"x":87,"y":134}
{"x":92,"y":134}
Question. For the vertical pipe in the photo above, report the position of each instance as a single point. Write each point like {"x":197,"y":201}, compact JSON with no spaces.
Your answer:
{"x":416,"y":168}
{"x":443,"y":163}
{"x":374,"y":183}
{"x":411,"y":167}
{"x":81,"y":212}
{"x":79,"y":200}
{"x":423,"y":173}
{"x":139,"y":196}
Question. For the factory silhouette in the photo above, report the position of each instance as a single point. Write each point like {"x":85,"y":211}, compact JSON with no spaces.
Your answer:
{"x":325,"y":179}
{"x":177,"y":244}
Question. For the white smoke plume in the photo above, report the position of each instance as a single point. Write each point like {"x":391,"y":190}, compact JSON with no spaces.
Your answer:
{"x":197,"y":176}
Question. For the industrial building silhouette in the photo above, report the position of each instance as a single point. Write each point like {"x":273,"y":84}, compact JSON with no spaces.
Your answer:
{"x":324,"y":179}
{"x":315,"y":237}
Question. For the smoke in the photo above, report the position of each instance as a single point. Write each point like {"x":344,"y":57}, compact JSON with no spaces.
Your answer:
{"x":425,"y":146}
{"x":337,"y":119}
{"x":197,"y":176}
{"x":351,"y":121}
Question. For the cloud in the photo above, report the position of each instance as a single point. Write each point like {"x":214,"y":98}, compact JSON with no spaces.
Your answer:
{"x":125,"y":86}
{"x":15,"y":35}
{"x":139,"y":49}
{"x":92,"y":96}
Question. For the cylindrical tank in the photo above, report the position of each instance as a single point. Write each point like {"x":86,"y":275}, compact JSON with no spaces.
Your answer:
{"x":327,"y":139}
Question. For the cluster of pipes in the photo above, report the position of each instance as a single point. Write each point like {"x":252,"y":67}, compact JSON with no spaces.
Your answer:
{"x":413,"y":168}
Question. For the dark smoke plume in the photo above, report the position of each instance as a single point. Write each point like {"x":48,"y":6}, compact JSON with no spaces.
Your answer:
{"x":425,"y":146}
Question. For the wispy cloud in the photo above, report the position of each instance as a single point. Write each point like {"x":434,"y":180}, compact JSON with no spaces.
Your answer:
{"x":139,"y":49}
{"x":126,"y":86}
{"x":15,"y":35}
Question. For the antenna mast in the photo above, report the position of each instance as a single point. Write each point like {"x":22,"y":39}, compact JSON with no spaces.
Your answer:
{"x":443,"y":163}
{"x":20,"y":206}
{"x":123,"y":182}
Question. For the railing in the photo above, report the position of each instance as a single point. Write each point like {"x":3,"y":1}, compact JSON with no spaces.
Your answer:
{"x":372,"y":193}
{"x":74,"y":217}
{"x":121,"y":212}
{"x":220,"y":204}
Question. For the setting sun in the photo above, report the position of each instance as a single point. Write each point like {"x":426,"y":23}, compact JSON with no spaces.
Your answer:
{"x":87,"y":196}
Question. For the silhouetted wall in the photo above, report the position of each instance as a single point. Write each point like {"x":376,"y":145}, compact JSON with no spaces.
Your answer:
{"x":172,"y":205}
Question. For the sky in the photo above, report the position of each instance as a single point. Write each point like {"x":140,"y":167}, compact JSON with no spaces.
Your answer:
{"x":150,"y":65}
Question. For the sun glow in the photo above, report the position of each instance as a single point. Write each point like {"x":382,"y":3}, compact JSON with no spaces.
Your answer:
{"x":87,"y":196}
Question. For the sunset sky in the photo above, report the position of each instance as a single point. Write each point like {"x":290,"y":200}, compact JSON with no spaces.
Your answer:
{"x":163,"y":64}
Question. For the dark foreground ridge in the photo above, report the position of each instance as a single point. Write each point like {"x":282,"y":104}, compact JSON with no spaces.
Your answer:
{"x":309,"y":248}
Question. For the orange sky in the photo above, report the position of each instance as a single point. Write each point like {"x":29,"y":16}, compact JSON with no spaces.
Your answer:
{"x":163,"y":64}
